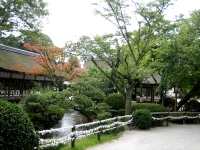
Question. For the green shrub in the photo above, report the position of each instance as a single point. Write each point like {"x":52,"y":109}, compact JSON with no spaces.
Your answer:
{"x":116,"y":101}
{"x":152,"y":108}
{"x":103,"y":115}
{"x":142,"y":119}
{"x":17,"y":131}
{"x":44,"y":109}
{"x":121,"y":112}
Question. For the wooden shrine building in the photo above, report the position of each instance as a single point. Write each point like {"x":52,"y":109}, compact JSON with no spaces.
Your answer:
{"x":14,"y":84}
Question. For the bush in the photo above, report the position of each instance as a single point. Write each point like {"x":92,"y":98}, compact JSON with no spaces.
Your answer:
{"x":142,"y":119}
{"x":17,"y":131}
{"x":44,"y":109}
{"x":152,"y":108}
{"x":103,"y":115}
{"x":116,"y":101}
{"x":121,"y":112}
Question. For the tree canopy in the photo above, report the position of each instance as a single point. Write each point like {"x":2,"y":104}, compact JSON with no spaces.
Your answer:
{"x":177,"y":57}
{"x":18,"y":15}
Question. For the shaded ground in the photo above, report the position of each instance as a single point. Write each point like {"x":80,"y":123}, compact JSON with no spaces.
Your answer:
{"x":173,"y":137}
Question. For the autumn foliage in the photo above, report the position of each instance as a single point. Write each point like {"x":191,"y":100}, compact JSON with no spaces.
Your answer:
{"x":53,"y":62}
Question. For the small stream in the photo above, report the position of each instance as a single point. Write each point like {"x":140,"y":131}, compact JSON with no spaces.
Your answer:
{"x":71,"y":117}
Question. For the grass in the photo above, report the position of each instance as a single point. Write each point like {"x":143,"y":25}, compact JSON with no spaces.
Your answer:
{"x":90,"y":141}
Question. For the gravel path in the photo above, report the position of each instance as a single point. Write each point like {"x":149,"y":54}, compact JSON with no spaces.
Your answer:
{"x":173,"y":137}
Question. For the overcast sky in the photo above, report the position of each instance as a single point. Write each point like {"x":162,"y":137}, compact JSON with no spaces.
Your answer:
{"x":70,"y":19}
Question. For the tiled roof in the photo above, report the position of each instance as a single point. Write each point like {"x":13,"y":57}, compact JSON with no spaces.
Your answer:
{"x":16,"y":50}
{"x":10,"y":57}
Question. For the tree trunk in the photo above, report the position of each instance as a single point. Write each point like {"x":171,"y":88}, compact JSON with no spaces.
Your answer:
{"x":128,"y":99}
{"x":194,"y":91}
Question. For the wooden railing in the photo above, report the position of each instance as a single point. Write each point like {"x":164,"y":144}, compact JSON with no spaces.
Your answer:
{"x":83,"y":130}
{"x":184,"y":116}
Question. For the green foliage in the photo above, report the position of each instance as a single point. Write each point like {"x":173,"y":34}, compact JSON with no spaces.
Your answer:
{"x":16,"y":15}
{"x":121,"y":112}
{"x":91,"y":140}
{"x":11,"y":40}
{"x":96,"y":76}
{"x":88,"y":89}
{"x":142,"y":118}
{"x":103,"y":115}
{"x":101,"y":111}
{"x":88,"y":97}
{"x":82,"y":102}
{"x":116,"y":101}
{"x":149,"y":106}
{"x":169,"y":102}
{"x":178,"y":53}
{"x":44,"y":109}
{"x":152,"y":108}
{"x":192,"y":105}
{"x":17,"y":131}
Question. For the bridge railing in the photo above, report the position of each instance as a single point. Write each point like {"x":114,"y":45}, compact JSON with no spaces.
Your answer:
{"x":83,"y":130}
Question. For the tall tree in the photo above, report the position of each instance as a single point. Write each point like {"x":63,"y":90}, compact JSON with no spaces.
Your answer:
{"x":125,"y":51}
{"x":178,"y":57}
{"x":16,"y":15}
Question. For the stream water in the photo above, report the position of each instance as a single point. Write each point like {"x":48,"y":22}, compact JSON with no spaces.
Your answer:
{"x":71,"y":117}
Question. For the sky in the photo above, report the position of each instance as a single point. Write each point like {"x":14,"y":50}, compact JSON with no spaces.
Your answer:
{"x":71,"y":19}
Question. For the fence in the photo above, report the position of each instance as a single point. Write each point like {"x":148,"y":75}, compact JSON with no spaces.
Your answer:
{"x":102,"y":126}
{"x":83,"y":130}
{"x":183,"y":118}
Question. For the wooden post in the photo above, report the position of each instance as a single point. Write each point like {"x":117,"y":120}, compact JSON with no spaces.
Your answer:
{"x":175,"y":105}
{"x":131,"y":125}
{"x":73,"y":140}
{"x":167,"y":121}
{"x":116,"y":127}
{"x":184,"y":119}
{"x":99,"y":133}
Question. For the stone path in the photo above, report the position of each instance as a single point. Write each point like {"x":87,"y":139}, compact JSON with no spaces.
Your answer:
{"x":173,"y":137}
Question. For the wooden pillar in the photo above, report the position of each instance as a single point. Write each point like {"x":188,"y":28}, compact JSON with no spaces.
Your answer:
{"x":152,"y":94}
{"x":9,"y":85}
{"x":141,"y":98}
{"x":162,"y":98}
{"x":22,"y":86}
{"x":146,"y":94}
